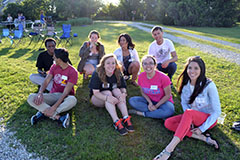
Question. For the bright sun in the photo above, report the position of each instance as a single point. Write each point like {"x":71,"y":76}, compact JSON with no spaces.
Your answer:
{"x":111,"y":1}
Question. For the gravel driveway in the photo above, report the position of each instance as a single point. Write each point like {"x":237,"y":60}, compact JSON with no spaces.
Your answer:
{"x":11,"y":148}
{"x":218,"y":52}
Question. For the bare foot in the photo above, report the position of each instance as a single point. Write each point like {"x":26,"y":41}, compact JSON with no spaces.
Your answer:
{"x":211,"y":142}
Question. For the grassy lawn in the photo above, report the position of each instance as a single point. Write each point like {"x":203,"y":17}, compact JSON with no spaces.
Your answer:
{"x":91,"y":134}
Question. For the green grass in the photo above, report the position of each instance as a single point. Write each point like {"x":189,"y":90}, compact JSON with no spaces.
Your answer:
{"x":222,"y":33}
{"x":91,"y":134}
{"x":215,"y":44}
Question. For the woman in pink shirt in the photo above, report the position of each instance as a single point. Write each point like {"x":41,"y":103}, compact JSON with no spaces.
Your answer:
{"x":156,"y":100}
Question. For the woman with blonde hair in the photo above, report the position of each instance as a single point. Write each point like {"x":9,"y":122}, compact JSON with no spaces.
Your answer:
{"x":108,"y":89}
{"x":91,"y":53}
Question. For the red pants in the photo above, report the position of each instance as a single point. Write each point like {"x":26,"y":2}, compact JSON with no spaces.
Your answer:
{"x":181,"y":124}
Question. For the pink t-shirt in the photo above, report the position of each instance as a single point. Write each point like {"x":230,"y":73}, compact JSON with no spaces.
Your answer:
{"x":62,"y":76}
{"x":154,"y":87}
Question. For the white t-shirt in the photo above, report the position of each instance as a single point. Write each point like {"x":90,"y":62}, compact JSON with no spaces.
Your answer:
{"x":161,"y":52}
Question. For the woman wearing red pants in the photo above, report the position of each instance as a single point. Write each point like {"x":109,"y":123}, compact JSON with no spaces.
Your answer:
{"x":201,"y":105}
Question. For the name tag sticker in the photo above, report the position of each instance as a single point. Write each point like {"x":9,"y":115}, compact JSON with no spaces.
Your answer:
{"x":64,"y":77}
{"x":154,"y":87}
{"x":64,"y":80}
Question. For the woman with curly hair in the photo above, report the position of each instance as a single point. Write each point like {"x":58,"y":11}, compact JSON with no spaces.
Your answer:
{"x":108,"y":89}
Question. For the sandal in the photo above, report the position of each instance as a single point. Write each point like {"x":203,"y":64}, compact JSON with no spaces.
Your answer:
{"x":164,"y":152}
{"x":208,"y":138}
{"x":236,"y":126}
{"x":133,"y":111}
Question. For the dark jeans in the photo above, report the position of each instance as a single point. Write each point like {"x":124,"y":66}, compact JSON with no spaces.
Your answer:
{"x":170,"y":69}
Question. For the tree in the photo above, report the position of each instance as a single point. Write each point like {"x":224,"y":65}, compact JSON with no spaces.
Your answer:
{"x":220,"y":13}
{"x":76,"y":8}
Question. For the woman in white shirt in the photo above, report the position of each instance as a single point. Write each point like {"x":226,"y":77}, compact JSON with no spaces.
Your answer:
{"x":128,"y":57}
{"x":201,"y":106}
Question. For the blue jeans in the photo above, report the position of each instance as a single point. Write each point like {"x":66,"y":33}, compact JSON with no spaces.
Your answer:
{"x":170,"y":69}
{"x":140,"y":104}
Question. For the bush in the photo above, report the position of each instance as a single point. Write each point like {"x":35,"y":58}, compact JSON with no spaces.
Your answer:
{"x":214,"y":13}
{"x":76,"y":21}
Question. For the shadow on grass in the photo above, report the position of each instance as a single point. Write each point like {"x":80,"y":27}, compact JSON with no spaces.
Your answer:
{"x":19,"y":53}
{"x":92,"y":136}
{"x":34,"y":55}
{"x":4,"y":51}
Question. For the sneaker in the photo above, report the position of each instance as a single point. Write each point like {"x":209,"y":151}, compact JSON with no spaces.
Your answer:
{"x":128,"y":125}
{"x":65,"y":120}
{"x":38,"y":116}
{"x":120,"y":128}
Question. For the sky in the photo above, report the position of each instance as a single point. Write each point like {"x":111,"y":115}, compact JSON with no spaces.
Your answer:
{"x":111,"y":1}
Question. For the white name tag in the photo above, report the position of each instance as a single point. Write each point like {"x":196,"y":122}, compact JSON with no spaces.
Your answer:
{"x":64,"y":77}
{"x":154,"y":87}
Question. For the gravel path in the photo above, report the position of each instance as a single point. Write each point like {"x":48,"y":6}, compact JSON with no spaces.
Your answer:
{"x":11,"y":148}
{"x":221,"y":53}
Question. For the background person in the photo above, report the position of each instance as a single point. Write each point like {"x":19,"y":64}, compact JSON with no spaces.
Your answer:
{"x":44,"y":62}
{"x":163,"y":50}
{"x":128,"y":57}
{"x":91,"y":53}
{"x":61,"y":97}
{"x":108,"y":89}
{"x":201,"y":106}
{"x":42,"y":19}
{"x":9,"y":20}
{"x":156,"y":100}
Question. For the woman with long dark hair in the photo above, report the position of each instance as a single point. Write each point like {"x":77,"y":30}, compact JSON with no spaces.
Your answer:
{"x":201,"y":106}
{"x":128,"y":57}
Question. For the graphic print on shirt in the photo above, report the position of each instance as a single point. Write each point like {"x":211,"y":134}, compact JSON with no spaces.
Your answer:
{"x":151,"y":91}
{"x":162,"y":52}
{"x":60,"y":79}
{"x":106,"y":86}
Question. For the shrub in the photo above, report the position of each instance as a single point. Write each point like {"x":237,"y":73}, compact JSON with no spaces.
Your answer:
{"x":76,"y":21}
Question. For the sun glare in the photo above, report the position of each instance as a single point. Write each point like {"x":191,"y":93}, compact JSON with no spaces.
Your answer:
{"x":111,"y":1}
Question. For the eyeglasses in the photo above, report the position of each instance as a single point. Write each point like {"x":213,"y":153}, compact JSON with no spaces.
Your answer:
{"x":150,"y":64}
{"x":51,"y":46}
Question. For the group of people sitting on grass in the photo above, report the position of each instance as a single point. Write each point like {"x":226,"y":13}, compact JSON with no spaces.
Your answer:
{"x":109,"y":72}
